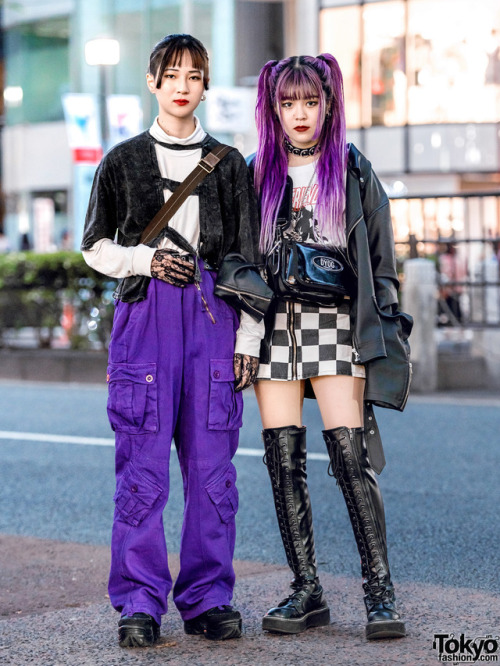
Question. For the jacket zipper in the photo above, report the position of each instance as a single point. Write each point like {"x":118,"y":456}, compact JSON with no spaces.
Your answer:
{"x":354,"y":270}
{"x":239,"y":291}
{"x":242,"y":298}
{"x":291,"y":327}
{"x":347,"y":244}
{"x":408,"y":384}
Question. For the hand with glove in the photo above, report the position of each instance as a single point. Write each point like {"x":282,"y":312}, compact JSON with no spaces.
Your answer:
{"x":245,"y":371}
{"x":170,"y":267}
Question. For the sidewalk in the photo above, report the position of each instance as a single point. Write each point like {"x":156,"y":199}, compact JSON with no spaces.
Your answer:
{"x":55,"y":612}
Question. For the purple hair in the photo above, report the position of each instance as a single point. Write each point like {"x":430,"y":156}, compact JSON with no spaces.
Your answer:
{"x":294,"y":78}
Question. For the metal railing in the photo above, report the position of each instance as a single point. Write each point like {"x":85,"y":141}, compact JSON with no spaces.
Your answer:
{"x":461,"y":234}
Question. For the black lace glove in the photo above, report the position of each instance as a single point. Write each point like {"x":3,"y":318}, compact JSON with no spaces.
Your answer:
{"x":172,"y":268}
{"x":245,"y":371}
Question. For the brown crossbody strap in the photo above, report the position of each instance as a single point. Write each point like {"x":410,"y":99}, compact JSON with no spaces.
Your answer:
{"x":205,"y":166}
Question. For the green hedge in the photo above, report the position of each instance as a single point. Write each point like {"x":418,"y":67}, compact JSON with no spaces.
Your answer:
{"x":42,"y":291}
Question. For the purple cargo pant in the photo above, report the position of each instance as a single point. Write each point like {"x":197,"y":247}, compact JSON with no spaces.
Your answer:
{"x":170,"y":375}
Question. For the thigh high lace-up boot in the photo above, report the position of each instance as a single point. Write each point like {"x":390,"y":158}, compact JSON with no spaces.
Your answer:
{"x":351,"y":467}
{"x":285,"y":457}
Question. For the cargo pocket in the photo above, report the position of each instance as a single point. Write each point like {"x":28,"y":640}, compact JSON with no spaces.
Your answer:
{"x":132,"y":398}
{"x":224,"y":494}
{"x":225,"y":407}
{"x":135,"y":496}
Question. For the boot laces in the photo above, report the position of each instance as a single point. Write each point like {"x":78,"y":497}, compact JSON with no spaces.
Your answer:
{"x":298,"y":594}
{"x":271,"y":457}
{"x":336,"y":466}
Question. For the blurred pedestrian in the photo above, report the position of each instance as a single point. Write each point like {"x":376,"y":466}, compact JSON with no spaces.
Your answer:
{"x":319,"y":194}
{"x":170,"y":372}
{"x":25,"y":242}
{"x":452,"y":272}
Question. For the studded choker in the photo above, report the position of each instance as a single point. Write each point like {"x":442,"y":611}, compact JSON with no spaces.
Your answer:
{"x":301,"y":152}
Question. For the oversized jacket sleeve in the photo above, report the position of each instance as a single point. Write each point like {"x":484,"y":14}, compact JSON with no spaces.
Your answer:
{"x":378,"y":221}
{"x":101,"y":219}
{"x":246,"y":213}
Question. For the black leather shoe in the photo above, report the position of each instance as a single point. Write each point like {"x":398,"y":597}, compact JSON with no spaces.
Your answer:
{"x":304,"y":608}
{"x":217,"y":624}
{"x":138,"y":630}
{"x":384,"y":620}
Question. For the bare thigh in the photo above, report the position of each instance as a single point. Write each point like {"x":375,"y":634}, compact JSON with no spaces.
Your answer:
{"x":340,"y":400}
{"x":280,"y":403}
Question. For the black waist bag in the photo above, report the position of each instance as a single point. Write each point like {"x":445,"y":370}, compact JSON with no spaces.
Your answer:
{"x":310,"y":273}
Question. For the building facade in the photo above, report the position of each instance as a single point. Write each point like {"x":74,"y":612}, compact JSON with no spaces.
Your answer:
{"x":422,"y":96}
{"x":45,"y":183}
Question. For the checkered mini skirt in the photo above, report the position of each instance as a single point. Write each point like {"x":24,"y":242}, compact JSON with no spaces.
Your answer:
{"x":310,"y":341}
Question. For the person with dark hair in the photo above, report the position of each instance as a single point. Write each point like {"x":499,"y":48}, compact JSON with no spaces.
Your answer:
{"x":315,"y":188}
{"x":174,"y":371}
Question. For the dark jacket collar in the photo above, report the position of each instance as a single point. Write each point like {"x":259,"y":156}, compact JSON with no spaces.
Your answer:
{"x":353,"y":159}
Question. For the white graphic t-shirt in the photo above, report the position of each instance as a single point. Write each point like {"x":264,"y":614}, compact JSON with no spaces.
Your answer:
{"x":304,"y":225}
{"x":304,"y":199}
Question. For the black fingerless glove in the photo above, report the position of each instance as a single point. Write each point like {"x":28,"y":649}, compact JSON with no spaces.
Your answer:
{"x":170,"y":267}
{"x":245,"y":371}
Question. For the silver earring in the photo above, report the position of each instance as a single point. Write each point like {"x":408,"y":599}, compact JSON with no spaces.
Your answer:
{"x":203,"y":97}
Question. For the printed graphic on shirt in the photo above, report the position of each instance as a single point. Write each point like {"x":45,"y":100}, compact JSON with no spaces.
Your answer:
{"x":304,"y":225}
{"x":304,"y":196}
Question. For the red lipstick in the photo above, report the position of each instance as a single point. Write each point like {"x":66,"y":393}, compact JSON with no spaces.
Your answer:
{"x":301,"y":128}
{"x":181,"y":102}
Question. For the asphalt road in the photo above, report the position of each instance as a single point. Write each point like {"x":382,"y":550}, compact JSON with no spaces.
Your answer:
{"x":440,"y":485}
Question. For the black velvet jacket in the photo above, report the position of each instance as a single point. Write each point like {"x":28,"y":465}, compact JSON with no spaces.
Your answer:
{"x":128,"y":191}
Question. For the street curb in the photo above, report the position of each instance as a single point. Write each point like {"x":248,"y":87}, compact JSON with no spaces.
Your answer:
{"x":89,"y":367}
{"x":53,"y":365}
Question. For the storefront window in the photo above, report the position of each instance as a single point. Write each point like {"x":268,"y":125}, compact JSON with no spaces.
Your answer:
{"x":37,"y":66}
{"x":421,"y":62}
{"x":384,"y":79}
{"x":453,"y":61}
{"x":374,"y":77}
{"x":340,"y":35}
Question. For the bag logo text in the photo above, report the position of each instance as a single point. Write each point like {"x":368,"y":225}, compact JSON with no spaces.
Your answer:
{"x":328,"y":264}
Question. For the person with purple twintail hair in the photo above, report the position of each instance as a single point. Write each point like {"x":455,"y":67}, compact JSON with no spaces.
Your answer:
{"x":178,"y":356}
{"x":350,"y":352}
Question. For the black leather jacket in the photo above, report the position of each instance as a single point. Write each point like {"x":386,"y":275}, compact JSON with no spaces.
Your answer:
{"x":128,"y":191}
{"x":370,"y":250}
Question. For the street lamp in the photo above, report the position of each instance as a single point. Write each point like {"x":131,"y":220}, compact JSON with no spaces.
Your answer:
{"x":103,"y":52}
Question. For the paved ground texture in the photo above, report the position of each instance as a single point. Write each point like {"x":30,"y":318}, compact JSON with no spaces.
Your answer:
{"x":55,"y":612}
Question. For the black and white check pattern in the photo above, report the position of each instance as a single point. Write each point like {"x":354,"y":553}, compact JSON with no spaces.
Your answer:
{"x":310,"y":341}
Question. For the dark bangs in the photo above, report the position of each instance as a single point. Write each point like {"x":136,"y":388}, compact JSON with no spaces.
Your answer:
{"x":170,"y":51}
{"x":298,"y":82}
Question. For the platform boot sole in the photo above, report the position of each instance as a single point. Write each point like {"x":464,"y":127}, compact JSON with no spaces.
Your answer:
{"x":315,"y":618}
{"x":385,"y":629}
